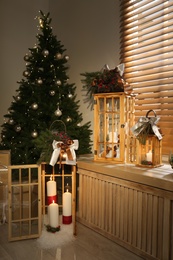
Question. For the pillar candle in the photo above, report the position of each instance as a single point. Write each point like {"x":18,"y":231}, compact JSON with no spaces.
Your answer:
{"x":115,"y":137}
{"x":149,"y":156}
{"x":51,"y":188}
{"x":67,"y":207}
{"x":53,"y":209}
{"x":67,"y":203}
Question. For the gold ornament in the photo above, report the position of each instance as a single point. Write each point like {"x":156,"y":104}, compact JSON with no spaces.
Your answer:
{"x":45,"y":53}
{"x":11,"y":121}
{"x":18,"y":128}
{"x":58,"y":82}
{"x":26,"y":73}
{"x":58,"y":112}
{"x":34,"y":134}
{"x":34,"y":106}
{"x":52,"y":92}
{"x":26,"y":57}
{"x":58,"y":56}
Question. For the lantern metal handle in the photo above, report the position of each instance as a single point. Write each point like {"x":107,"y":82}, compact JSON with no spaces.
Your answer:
{"x":151,"y":111}
{"x":58,"y":121}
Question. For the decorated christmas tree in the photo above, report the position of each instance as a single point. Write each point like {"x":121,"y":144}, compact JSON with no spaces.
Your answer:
{"x":44,"y":97}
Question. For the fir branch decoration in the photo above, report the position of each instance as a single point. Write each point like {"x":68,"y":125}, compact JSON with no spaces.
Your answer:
{"x":146,"y":163}
{"x":44,"y":145}
{"x":104,"y":81}
{"x":52,"y":229}
{"x":89,"y":87}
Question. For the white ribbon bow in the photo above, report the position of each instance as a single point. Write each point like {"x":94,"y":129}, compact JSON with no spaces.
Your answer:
{"x":151,"y":120}
{"x":57,"y":150}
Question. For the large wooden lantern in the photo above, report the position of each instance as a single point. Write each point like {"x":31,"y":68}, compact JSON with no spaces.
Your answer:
{"x":112,"y":121}
{"x":150,"y":153}
{"x":113,"y":100}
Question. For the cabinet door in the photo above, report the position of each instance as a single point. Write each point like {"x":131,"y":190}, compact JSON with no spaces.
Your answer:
{"x":24,"y":186}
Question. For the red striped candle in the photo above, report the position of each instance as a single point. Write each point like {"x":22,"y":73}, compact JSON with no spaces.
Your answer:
{"x":50,"y":199}
{"x":67,"y":208}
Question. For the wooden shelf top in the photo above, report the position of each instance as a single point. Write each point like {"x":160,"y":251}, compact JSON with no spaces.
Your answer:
{"x":159,"y":177}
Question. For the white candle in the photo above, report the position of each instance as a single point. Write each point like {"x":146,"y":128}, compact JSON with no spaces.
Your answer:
{"x":149,"y":156}
{"x":51,"y":187}
{"x":53,"y":209}
{"x":115,"y":137}
{"x":67,"y":200}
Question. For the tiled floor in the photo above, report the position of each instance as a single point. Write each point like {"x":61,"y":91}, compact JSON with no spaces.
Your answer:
{"x":88,"y":245}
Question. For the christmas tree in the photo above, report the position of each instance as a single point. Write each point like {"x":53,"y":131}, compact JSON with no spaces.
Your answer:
{"x":44,"y":96}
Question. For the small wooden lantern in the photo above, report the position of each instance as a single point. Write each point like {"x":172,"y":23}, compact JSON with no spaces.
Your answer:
{"x":150,"y":153}
{"x":149,"y":141}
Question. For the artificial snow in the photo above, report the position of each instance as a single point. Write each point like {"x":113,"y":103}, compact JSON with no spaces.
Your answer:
{"x":60,"y":238}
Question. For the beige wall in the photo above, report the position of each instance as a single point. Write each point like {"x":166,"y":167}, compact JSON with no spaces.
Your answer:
{"x":88,"y":29}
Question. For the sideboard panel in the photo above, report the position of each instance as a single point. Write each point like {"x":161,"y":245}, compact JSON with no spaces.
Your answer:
{"x":137,"y":216}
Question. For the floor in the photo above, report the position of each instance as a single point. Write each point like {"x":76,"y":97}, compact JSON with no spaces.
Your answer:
{"x":88,"y":245}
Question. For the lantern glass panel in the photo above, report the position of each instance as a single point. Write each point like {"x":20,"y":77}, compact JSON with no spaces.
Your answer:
{"x":108,"y":104}
{"x":101,"y":126}
{"x":116,"y":120}
{"x":117,"y":104}
{"x":101,"y":105}
{"x":101,"y":150}
{"x":109,"y":128}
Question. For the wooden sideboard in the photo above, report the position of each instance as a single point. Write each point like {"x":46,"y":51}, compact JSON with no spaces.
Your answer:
{"x":130,"y":205}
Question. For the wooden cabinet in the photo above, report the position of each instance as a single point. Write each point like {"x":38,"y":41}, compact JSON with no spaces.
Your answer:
{"x":113,"y":117}
{"x":130,"y":205}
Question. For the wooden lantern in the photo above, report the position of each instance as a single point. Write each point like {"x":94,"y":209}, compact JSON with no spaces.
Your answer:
{"x":150,"y":153}
{"x":112,"y":121}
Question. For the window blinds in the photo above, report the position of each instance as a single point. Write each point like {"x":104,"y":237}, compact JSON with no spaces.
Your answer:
{"x":146,"y":29}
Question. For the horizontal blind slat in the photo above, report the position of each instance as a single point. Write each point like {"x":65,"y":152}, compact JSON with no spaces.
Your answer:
{"x":157,"y":84}
{"x":149,"y":22}
{"x":146,"y":41}
{"x":160,"y":48}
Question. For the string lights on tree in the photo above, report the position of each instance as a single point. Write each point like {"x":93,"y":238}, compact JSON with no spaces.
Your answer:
{"x":44,"y":94}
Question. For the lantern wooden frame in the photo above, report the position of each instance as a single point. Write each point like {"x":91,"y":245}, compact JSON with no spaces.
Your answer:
{"x":150,"y":153}
{"x":59,"y":171}
{"x":113,"y":118}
